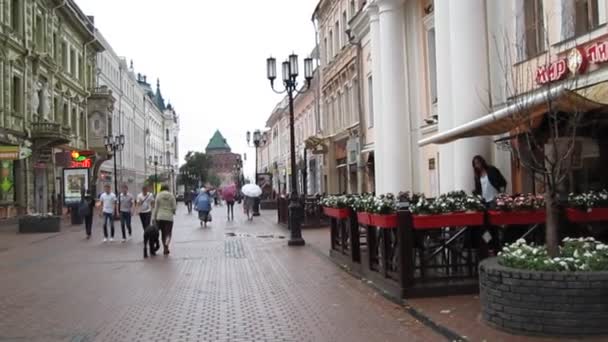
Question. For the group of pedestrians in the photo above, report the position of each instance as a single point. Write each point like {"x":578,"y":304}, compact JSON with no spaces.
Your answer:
{"x":159,"y":210}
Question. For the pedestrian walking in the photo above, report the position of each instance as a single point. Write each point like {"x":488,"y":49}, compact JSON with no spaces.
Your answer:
{"x":202,"y":204}
{"x":188,"y":198}
{"x":164,"y":210}
{"x":107,"y":200}
{"x":126,"y":211}
{"x":230,"y":197}
{"x":85,"y":210}
{"x":145,"y":202}
{"x":489,"y":182}
{"x":248,"y":207}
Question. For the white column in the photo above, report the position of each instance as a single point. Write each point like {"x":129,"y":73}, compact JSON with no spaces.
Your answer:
{"x":395,"y":145}
{"x":374,"y":25}
{"x":470,"y":84}
{"x":444,"y":93}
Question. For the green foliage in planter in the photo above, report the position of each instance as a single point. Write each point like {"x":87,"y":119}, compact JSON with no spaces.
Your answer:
{"x":584,"y":254}
{"x":383,"y":204}
{"x":506,"y":202}
{"x":455,"y":201}
{"x":588,"y":200}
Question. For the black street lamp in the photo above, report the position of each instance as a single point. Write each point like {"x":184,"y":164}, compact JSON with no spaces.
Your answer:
{"x":113,"y":145}
{"x":259,"y":139}
{"x":290,"y":75}
{"x":155,"y":172}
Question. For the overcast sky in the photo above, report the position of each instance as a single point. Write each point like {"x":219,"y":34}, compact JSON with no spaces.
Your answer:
{"x":210,"y":57}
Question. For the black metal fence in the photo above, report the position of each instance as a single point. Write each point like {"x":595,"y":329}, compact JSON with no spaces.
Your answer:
{"x":313,"y":212}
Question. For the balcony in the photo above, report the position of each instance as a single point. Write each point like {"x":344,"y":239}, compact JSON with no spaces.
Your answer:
{"x":50,"y":134}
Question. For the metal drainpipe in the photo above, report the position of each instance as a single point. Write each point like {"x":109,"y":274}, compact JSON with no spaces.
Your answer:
{"x":359,"y":69}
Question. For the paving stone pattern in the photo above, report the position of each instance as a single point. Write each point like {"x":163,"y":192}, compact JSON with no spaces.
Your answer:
{"x":213,"y":287}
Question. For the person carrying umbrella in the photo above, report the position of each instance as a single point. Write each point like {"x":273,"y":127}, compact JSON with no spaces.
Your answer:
{"x":250,"y":192}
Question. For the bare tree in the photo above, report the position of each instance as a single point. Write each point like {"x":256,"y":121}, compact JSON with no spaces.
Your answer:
{"x":546,"y":111}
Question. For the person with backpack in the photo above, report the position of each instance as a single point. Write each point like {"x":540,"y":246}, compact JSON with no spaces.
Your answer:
{"x":85,"y":210}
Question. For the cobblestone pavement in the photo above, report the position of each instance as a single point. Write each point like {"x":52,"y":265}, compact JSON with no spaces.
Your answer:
{"x":235,"y":281}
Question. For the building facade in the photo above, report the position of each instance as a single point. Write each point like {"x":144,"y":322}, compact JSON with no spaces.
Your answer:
{"x":150,"y":127}
{"x":47,"y":67}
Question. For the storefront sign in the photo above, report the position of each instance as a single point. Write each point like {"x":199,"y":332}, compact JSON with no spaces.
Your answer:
{"x":552,"y":72}
{"x":80,"y":160}
{"x":75,"y":182}
{"x":598,"y":52}
{"x":9,"y":152}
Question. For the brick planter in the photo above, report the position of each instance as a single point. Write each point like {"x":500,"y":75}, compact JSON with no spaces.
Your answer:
{"x":543,"y":303}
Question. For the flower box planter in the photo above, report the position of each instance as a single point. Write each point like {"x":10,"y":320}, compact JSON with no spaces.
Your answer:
{"x":383,"y":221}
{"x":337,"y":213}
{"x":363,"y":218}
{"x":501,"y":218}
{"x":591,"y":215}
{"x":562,"y":303}
{"x":39,"y":224}
{"x":448,"y":220}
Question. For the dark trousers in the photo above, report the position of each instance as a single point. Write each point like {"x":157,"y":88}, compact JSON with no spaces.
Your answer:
{"x":108,"y":217}
{"x":125,"y":220}
{"x":88,"y":224}
{"x":145,"y":219}
{"x":165,"y":227}
{"x":230,"y":209}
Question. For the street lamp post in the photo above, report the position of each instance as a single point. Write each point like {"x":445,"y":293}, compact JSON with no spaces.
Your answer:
{"x":150,"y":160}
{"x":113,"y":145}
{"x":259,"y":139}
{"x":290,"y":75}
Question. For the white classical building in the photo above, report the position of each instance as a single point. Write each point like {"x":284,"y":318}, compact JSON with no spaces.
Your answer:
{"x":150,"y":127}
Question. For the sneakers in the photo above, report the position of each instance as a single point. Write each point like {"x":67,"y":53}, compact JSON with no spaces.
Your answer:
{"x":124,"y":240}
{"x":111,"y":239}
{"x":105,"y":239}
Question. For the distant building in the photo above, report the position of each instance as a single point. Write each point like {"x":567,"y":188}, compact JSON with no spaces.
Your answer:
{"x":225,"y":163}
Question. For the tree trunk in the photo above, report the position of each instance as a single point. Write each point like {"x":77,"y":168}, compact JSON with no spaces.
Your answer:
{"x":552,"y":226}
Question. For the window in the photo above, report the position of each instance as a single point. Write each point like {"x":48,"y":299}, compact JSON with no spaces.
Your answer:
{"x":39,"y":33}
{"x":534,"y":28}
{"x":82,"y":125}
{"x":344,"y":26}
{"x":55,"y":46}
{"x":331,"y":45}
{"x":586,"y":16}
{"x":57,"y":115}
{"x":432,"y":65}
{"x":64,"y":55}
{"x":65,"y":115}
{"x":337,"y":39}
{"x":167,"y":134}
{"x":79,"y":69}
{"x":327,"y":54}
{"x":74,"y":121}
{"x":339,"y":113}
{"x":348,"y":112}
{"x":370,"y":96}
{"x":16,"y":16}
{"x":17,"y":96}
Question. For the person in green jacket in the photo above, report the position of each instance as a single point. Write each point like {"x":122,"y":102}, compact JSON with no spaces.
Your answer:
{"x":164,"y":210}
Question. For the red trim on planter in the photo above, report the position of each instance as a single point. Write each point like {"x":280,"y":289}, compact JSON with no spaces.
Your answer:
{"x":383,"y":221}
{"x":339,"y":214}
{"x":363,"y":218}
{"x":499,"y":218}
{"x":448,"y":220}
{"x":595,"y":215}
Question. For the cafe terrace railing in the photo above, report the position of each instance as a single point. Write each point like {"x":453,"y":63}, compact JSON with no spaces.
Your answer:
{"x":409,"y":255}
{"x":313,"y":212}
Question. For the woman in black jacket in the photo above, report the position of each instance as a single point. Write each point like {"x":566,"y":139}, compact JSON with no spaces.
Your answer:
{"x":489,"y":182}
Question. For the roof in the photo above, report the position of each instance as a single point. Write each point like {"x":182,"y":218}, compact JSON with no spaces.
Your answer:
{"x":158,"y":97}
{"x":217,"y":142}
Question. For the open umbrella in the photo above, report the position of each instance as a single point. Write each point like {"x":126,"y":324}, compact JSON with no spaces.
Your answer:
{"x":251,"y":190}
